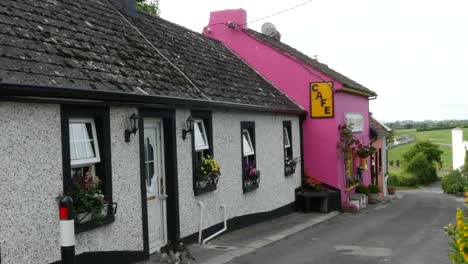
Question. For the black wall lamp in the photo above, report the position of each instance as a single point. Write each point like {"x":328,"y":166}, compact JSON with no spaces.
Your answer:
{"x":132,"y":126}
{"x":188,"y":127}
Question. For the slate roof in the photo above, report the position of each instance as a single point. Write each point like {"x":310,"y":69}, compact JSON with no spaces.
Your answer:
{"x":312,"y":62}
{"x":85,"y":44}
{"x":378,"y":127}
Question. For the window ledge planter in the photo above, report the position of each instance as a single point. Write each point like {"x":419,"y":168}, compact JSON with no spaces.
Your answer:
{"x":80,"y":228}
{"x":201,"y":189}
{"x":250,"y":187}
{"x":206,"y":184}
{"x":289,"y":170}
{"x":84,"y":221}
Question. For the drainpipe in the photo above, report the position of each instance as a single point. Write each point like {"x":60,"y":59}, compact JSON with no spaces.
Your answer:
{"x":200,"y":222}
{"x":223,"y":206}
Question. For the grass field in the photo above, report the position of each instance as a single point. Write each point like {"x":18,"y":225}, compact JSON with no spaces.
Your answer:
{"x":443,"y":138}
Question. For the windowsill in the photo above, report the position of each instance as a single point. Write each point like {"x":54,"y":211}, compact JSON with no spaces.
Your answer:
{"x":250,"y":188}
{"x":289,"y":171}
{"x":206,"y":189}
{"x":80,"y":228}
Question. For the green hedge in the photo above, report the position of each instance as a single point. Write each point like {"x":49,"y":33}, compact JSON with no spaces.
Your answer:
{"x":402,"y":181}
{"x":453,"y":182}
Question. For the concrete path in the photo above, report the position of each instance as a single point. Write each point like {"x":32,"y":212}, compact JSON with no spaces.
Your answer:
{"x":407,"y":230}
{"x":244,"y":241}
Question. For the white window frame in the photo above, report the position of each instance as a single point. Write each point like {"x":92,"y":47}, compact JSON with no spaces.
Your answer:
{"x":90,"y":161}
{"x":288,"y":141}
{"x":203,"y":134}
{"x":249,"y":143}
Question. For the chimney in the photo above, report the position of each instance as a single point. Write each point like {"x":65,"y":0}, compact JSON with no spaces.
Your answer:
{"x":127,"y":7}
{"x":230,"y":16}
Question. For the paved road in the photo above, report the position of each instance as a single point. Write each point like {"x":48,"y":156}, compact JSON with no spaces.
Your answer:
{"x":407,"y":231}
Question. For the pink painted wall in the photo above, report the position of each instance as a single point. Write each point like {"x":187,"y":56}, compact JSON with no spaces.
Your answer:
{"x":381,"y":144}
{"x":292,"y":76}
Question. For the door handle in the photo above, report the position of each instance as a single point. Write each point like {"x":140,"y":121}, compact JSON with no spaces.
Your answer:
{"x":163,"y":197}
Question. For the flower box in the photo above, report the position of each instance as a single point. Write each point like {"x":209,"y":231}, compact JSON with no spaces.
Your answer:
{"x":207,"y":176}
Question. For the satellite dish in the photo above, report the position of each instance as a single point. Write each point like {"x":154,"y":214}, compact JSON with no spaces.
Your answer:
{"x":269,"y":29}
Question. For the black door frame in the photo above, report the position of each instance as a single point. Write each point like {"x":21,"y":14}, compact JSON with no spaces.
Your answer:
{"x":170,"y":163}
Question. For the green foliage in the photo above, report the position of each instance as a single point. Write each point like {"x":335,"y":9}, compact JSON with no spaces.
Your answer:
{"x":431,"y":151}
{"x":464,"y":168}
{"x":392,"y":181}
{"x":150,"y":7}
{"x":373,"y":188}
{"x":454,"y":182}
{"x":422,"y":168}
{"x":362,"y":189}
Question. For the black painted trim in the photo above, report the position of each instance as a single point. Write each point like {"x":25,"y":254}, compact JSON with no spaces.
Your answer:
{"x":170,"y":155}
{"x":287,"y":126}
{"x":48,"y":93}
{"x":249,"y":125}
{"x":114,"y":257}
{"x":207,"y":118}
{"x":250,"y":188}
{"x":301,"y":139}
{"x":103,"y":114}
{"x":206,"y":189}
{"x":242,"y":221}
{"x":83,"y":227}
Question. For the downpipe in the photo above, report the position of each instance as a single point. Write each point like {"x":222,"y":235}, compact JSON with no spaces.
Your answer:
{"x":200,"y":221}
{"x":223,"y":206}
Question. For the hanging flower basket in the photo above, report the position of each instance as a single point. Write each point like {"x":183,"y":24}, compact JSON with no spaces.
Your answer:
{"x":365,"y":151}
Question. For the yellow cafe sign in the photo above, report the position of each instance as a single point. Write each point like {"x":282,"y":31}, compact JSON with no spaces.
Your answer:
{"x":321,"y":100}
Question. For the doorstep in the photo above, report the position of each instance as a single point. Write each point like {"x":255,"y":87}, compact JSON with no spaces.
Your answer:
{"x":240,"y":242}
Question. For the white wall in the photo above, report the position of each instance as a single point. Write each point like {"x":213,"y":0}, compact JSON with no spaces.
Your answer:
{"x":31,"y":179}
{"x":275,"y":189}
{"x":458,"y":148}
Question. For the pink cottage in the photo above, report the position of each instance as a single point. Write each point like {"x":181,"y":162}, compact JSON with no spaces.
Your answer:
{"x":330,"y":98}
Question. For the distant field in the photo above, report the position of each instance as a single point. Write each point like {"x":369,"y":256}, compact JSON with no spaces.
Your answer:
{"x":443,"y":138}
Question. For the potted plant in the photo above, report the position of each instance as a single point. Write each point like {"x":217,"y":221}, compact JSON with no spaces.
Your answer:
{"x":362,"y":189}
{"x":365,"y":151}
{"x":88,"y":200}
{"x":208,"y":172}
{"x":252,"y":175}
{"x":373,"y":193}
{"x":313,"y":184}
{"x":391,"y":190}
{"x":290,"y":165}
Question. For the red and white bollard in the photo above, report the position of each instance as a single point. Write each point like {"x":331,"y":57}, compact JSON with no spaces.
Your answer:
{"x":67,"y":230}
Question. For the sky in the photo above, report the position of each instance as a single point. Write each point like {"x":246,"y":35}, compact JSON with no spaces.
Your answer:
{"x":412,"y":53}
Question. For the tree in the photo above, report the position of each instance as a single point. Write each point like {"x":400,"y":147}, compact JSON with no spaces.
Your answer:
{"x":431,"y":151}
{"x":149,"y":6}
{"x":422,"y":168}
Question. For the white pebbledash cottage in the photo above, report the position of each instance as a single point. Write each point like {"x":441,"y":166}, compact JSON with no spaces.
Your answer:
{"x":141,"y":121}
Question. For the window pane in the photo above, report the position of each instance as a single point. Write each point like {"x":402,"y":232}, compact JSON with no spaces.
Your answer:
{"x":287,"y":142}
{"x":89,"y":144}
{"x":81,"y":141}
{"x":149,"y":160}
{"x":247,"y":143}
{"x":200,"y":137}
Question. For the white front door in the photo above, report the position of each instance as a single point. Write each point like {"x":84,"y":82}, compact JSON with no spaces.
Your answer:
{"x":155,"y":183}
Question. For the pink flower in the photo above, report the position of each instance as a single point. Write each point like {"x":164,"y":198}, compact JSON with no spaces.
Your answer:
{"x":253,"y":171}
